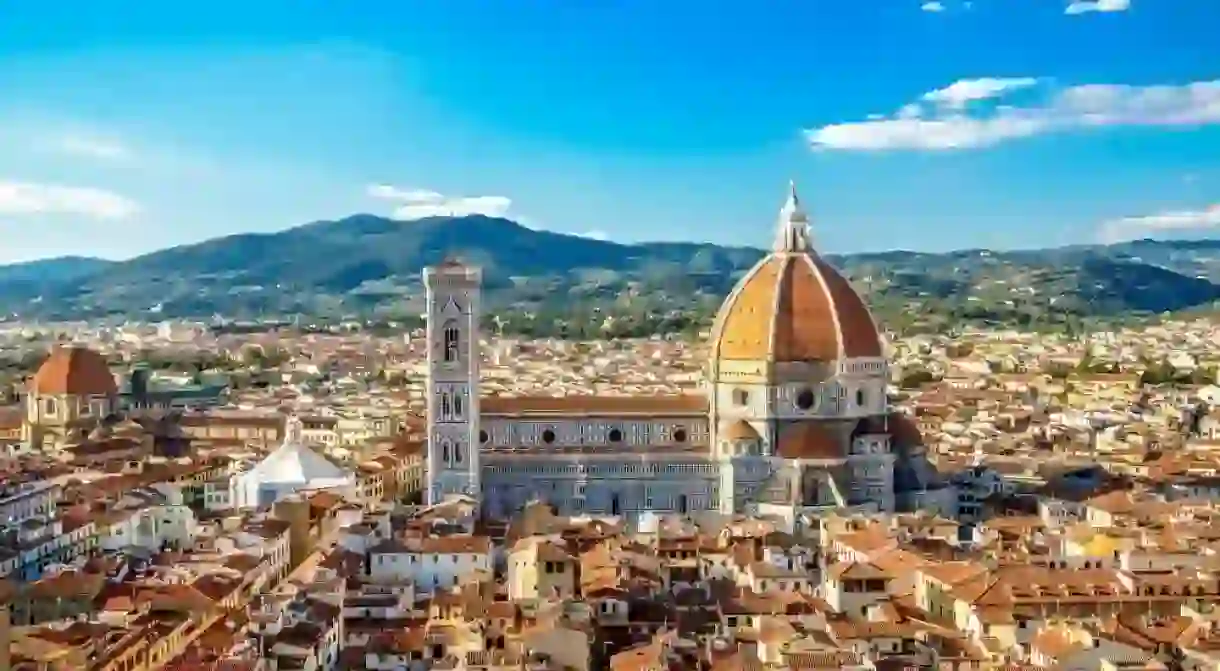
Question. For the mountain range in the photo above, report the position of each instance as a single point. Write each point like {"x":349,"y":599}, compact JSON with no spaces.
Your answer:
{"x":369,"y":265}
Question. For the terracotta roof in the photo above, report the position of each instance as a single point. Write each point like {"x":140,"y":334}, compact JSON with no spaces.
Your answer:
{"x":11,"y":417}
{"x":809,"y":440}
{"x":794,"y":307}
{"x":741,"y":430}
{"x":76,"y":371}
{"x":903,"y":430}
{"x":857,"y":571}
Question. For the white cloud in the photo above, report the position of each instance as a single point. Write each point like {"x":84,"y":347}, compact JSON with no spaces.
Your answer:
{"x":90,"y":147}
{"x":1087,"y":6}
{"x":1129,"y":228}
{"x":964,"y":91}
{"x":969,"y":114}
{"x":421,"y":203}
{"x":932,"y":7}
{"x":595,"y":235}
{"x":25,"y":198}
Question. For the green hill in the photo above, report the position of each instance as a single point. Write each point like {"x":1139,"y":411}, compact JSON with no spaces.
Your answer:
{"x":367,"y":265}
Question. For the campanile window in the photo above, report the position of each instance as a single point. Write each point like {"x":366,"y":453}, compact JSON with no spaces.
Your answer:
{"x":453,"y":341}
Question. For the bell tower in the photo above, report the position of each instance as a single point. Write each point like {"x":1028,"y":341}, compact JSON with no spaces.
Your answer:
{"x":453,"y":297}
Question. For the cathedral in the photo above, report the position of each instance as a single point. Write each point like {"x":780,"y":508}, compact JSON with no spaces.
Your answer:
{"x":794,"y":419}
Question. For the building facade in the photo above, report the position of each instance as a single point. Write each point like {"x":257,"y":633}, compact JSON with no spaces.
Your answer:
{"x":73,"y":386}
{"x":794,"y":418}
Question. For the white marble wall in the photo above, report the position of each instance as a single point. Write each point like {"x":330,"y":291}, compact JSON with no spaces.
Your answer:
{"x":599,"y":485}
{"x":870,"y":465}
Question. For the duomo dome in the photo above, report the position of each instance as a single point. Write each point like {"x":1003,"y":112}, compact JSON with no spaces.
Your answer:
{"x":792,"y":306}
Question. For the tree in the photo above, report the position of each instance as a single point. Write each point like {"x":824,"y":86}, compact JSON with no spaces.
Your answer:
{"x":916,"y":379}
{"x":1159,"y":373}
{"x":1202,"y":376}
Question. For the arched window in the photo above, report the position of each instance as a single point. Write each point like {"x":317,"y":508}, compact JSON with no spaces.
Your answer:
{"x":445,"y":452}
{"x":457,"y":405}
{"x":457,"y":453}
{"x":445,"y":410}
{"x":453,"y":340}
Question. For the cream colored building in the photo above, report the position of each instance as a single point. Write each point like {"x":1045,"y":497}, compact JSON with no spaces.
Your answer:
{"x":541,"y":569}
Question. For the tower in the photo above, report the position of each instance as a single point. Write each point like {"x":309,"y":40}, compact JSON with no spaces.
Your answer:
{"x":453,"y":296}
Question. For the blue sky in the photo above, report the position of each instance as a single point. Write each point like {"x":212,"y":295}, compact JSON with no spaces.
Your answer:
{"x":130,"y":126}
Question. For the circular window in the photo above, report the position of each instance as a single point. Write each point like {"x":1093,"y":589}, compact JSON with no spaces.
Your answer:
{"x":679,"y":435}
{"x":483,"y":437}
{"x":548,"y":436}
{"x":804,"y":400}
{"x":616,"y":436}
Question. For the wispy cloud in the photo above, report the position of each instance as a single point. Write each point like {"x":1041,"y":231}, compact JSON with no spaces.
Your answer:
{"x":91,"y":147}
{"x":1087,"y":6}
{"x":421,"y":203}
{"x":1130,"y":228}
{"x":28,"y":198}
{"x":932,"y":6}
{"x":962,"y":92}
{"x":973,"y":113}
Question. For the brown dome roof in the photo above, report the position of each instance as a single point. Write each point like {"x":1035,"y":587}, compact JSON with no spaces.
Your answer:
{"x":793,"y":306}
{"x":75,"y":371}
{"x":741,"y":430}
{"x":808,"y":440}
{"x":904,"y":431}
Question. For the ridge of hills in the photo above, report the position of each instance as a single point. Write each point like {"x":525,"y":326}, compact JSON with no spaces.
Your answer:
{"x":541,"y":282}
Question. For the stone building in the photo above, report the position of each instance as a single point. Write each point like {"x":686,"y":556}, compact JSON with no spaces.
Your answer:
{"x":73,"y":386}
{"x":794,"y":419}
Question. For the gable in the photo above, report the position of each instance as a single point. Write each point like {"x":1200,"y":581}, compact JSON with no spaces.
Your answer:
{"x":452,"y":308}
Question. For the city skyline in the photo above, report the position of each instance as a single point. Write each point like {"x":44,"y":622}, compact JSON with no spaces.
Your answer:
{"x":926,"y":126}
